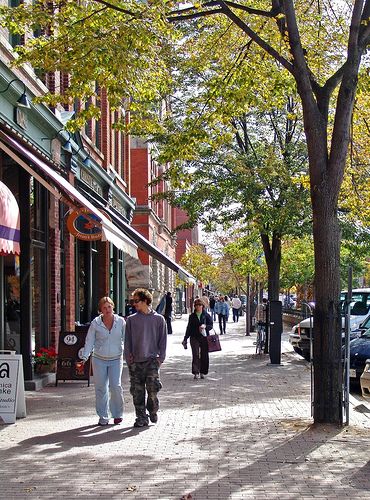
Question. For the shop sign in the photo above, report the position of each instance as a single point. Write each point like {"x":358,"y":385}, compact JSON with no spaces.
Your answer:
{"x":70,"y":350}
{"x":84,"y":225}
{"x":118,"y":206}
{"x":12,"y":400}
{"x":90,"y":181}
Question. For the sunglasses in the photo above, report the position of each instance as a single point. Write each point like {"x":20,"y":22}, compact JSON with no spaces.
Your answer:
{"x":198,"y":304}
{"x":136,"y":301}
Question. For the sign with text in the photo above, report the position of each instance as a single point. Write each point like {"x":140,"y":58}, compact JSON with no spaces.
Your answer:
{"x":69,"y":366}
{"x":84,"y":225}
{"x":12,"y":400}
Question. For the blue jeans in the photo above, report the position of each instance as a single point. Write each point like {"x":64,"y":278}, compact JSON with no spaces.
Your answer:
{"x":107,"y":379}
{"x":235,"y":315}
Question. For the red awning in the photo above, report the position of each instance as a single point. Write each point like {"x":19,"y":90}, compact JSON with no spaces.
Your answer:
{"x":9,"y":222}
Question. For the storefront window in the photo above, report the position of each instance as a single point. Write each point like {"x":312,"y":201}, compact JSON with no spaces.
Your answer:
{"x":117,"y":279}
{"x":87,"y":281}
{"x":9,"y":274}
{"x":38,"y":267}
{"x":11,"y":339}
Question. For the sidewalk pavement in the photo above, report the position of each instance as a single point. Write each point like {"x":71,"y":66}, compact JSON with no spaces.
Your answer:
{"x":245,"y":432}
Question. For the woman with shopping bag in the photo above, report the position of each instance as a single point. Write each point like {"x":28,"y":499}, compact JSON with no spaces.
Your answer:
{"x":199,"y":325}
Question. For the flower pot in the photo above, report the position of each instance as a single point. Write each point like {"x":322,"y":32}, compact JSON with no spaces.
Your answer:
{"x":46,"y":368}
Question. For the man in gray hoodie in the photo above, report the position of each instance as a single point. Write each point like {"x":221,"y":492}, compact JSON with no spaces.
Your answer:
{"x":145,"y":351}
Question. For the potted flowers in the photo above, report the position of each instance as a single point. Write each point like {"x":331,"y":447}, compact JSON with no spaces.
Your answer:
{"x":44,"y":360}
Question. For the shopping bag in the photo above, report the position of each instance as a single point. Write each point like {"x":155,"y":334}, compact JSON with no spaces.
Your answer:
{"x":213,"y":343}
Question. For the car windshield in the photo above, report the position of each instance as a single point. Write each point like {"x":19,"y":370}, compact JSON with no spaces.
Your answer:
{"x":366,"y":334}
{"x":366,"y":323}
{"x":360,"y":303}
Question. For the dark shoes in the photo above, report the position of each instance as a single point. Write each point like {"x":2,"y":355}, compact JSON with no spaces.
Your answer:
{"x":153,"y":418}
{"x":141,"y":423}
{"x":117,"y":421}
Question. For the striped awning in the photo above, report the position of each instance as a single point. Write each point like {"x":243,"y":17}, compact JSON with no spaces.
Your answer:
{"x":9,"y":222}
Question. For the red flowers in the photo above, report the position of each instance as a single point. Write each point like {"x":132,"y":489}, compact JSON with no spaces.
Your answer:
{"x":45,"y":356}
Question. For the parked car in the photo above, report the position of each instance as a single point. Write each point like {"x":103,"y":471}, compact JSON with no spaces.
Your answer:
{"x":359,"y":353}
{"x":360,"y":307}
{"x":365,"y":325}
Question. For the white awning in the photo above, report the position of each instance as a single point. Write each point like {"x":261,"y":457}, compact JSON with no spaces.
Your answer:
{"x":62,"y":189}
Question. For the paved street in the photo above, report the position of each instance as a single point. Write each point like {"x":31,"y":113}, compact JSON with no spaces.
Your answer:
{"x":242,"y":433}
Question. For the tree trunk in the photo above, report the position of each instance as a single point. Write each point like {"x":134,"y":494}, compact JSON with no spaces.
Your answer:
{"x":327,"y":318}
{"x":273,"y":261}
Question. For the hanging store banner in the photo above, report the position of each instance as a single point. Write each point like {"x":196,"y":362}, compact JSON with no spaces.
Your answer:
{"x":84,"y":225}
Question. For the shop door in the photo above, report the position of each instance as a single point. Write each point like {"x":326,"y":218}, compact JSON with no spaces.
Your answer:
{"x":10,"y":332}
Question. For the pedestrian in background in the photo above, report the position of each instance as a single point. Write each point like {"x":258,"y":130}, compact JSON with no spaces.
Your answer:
{"x":222,"y":311}
{"x":199,"y":325}
{"x":261,"y":313}
{"x":145,"y":351}
{"x":168,"y":312}
{"x":236,"y":304}
{"x":104,"y":340}
{"x":228,"y":302}
{"x":205,"y":301}
{"x":129,"y":308}
{"x":212,"y":302}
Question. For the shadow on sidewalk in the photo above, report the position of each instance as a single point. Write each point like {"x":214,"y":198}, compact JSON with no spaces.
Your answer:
{"x":89,"y":435}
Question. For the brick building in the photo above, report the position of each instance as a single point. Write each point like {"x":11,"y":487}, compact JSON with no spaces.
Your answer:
{"x":86,"y":225}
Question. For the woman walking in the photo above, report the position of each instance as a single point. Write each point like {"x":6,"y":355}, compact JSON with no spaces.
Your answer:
{"x":222,"y":310}
{"x":199,"y":325}
{"x":104,"y":340}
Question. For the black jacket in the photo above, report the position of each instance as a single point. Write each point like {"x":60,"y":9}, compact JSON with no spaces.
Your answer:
{"x":192,"y":330}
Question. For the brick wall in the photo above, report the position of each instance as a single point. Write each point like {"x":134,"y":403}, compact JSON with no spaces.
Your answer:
{"x":54,"y":271}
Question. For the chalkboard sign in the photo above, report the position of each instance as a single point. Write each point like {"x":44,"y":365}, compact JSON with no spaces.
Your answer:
{"x":69,"y":366}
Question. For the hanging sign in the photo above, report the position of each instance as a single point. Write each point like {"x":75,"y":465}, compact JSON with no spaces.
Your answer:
{"x":84,"y":225}
{"x":12,"y":400}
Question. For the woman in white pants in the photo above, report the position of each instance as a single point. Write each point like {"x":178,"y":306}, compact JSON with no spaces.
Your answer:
{"x":105,"y":340}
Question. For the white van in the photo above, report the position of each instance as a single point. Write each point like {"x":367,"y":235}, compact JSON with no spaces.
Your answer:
{"x":360,"y":307}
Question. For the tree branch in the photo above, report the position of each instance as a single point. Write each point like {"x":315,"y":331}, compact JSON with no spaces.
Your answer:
{"x":116,"y":7}
{"x":195,"y":15}
{"x":256,"y":38}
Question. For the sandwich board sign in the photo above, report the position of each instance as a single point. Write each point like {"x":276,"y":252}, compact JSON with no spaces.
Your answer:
{"x":12,"y":399}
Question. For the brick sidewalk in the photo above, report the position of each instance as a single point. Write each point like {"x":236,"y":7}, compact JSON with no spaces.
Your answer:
{"x":243,"y":432}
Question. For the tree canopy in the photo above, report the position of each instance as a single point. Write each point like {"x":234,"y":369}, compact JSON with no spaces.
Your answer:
{"x":319,"y":47}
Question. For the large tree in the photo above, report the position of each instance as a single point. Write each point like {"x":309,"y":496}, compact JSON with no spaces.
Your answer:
{"x":256,"y":177}
{"x":320,"y":45}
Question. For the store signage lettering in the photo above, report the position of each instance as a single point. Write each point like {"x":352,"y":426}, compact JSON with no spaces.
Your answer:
{"x":20,"y":118}
{"x":84,"y":225}
{"x":118,"y":206}
{"x":12,"y":401}
{"x":90,"y":181}
{"x":4,"y":370}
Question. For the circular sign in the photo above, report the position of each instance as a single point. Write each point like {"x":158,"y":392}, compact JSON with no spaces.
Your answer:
{"x":70,"y":339}
{"x":84,"y":225}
